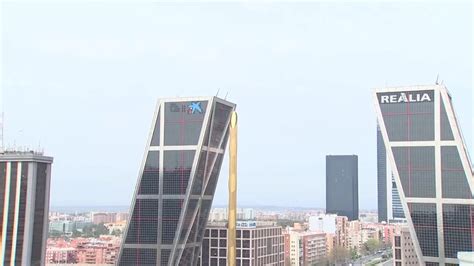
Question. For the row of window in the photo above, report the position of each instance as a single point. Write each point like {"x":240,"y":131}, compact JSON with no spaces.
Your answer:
{"x":414,"y":121}
{"x":458,"y":221}
{"x":416,"y":167}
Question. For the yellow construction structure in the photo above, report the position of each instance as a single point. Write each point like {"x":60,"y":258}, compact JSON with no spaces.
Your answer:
{"x":232,"y":210}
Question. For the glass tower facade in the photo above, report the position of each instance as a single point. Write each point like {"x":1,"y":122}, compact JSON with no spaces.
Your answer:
{"x":24,"y":192}
{"x":388,"y":200}
{"x":431,"y":166}
{"x":177,"y":181}
{"x":342,"y":190}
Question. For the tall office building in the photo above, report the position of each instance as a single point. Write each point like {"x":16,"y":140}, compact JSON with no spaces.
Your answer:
{"x":388,"y":200}
{"x":177,"y":180}
{"x":342,"y":196}
{"x":24,"y":192}
{"x":431,"y":168}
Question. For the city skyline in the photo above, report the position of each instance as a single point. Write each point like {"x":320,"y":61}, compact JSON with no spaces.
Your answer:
{"x":87,"y":95}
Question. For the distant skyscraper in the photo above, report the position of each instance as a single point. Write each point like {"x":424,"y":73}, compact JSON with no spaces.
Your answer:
{"x":430,"y":165}
{"x":24,"y":192}
{"x":177,"y":180}
{"x":342,"y":196}
{"x":388,"y":200}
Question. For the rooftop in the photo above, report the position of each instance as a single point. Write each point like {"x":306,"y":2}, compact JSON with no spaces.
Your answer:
{"x":24,"y":155}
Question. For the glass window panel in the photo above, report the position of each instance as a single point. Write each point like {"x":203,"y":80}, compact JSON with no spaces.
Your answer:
{"x":446,"y":131}
{"x":198,"y":182}
{"x":171,"y":213}
{"x":138,"y":257}
{"x":211,"y":185}
{"x":155,"y":139}
{"x":425,"y":224}
{"x":453,"y":176}
{"x":143,"y":226}
{"x":187,"y":222}
{"x":416,"y":167}
{"x":40,"y":197}
{"x":219,"y":124}
{"x":177,"y":167}
{"x":203,"y":216}
{"x":458,"y":223}
{"x":149,"y":183}
{"x":408,"y":121}
{"x":183,"y":122}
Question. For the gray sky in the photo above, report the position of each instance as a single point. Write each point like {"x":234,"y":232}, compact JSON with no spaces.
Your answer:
{"x":82,"y":80}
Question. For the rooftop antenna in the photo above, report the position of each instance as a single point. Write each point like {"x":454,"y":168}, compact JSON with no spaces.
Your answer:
{"x":227,"y":93}
{"x":217,"y":94}
{"x":437,"y":77}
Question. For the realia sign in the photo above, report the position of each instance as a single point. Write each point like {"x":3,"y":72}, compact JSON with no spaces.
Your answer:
{"x":406,"y":97}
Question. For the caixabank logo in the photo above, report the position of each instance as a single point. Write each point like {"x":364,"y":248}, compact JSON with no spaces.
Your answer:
{"x":189,"y":108}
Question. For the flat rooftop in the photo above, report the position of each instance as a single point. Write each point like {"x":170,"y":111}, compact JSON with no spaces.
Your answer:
{"x":24,"y":156}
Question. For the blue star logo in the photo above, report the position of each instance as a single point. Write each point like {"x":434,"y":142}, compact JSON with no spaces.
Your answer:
{"x":195,"y":107}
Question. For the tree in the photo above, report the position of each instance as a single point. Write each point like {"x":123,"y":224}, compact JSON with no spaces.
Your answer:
{"x":116,"y":232}
{"x":339,"y":254}
{"x":95,"y":230}
{"x":371,"y":245}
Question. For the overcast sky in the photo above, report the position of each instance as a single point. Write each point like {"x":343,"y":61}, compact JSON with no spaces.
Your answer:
{"x":81,"y":80}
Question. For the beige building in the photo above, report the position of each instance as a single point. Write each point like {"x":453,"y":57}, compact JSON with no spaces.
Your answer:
{"x":306,"y":248}
{"x":403,"y":249}
{"x":258,"y":243}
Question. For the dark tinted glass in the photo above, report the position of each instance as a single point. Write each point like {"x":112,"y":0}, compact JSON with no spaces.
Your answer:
{"x":408,"y":121}
{"x":171,"y":212}
{"x":203,"y":216}
{"x":381,"y":177}
{"x":219,"y":124}
{"x":149,"y":183}
{"x":424,"y":221}
{"x":165,"y":256}
{"x":212,"y":183}
{"x":143,"y":227}
{"x":187,"y":222}
{"x":458,"y":223}
{"x":138,"y":257}
{"x":177,"y":167}
{"x":187,"y":256}
{"x":155,"y":139}
{"x":446,"y":131}
{"x":416,"y":167}
{"x":453,"y":175}
{"x":41,"y":176}
{"x":193,"y":232}
{"x":21,"y":213}
{"x":198,"y":182}
{"x":183,"y":122}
